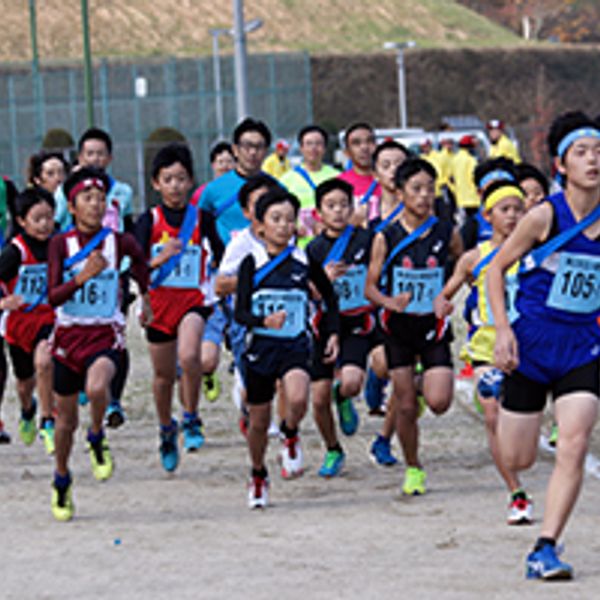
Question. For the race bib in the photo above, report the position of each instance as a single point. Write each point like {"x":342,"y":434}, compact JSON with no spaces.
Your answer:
{"x":293,"y":302}
{"x":511,"y":287}
{"x":576,"y":284}
{"x":112,"y":218}
{"x":187,"y":273}
{"x":350,"y":288}
{"x":423,"y":285}
{"x":98,"y":297}
{"x":32,"y":282}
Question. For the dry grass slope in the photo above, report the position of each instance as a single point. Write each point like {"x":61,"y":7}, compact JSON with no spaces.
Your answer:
{"x":180,"y":27}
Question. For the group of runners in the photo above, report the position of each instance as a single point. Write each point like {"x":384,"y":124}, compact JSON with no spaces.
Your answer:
{"x":323,"y":284}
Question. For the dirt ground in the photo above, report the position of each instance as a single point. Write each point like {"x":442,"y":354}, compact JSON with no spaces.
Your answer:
{"x":145,"y":534}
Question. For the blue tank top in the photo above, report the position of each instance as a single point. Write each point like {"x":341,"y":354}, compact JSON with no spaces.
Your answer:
{"x":566,"y":287}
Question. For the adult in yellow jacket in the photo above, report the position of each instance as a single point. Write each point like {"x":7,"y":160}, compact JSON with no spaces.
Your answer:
{"x":501,"y":145}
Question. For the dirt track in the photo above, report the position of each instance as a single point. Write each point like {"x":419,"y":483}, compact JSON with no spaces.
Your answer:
{"x":147,"y":535}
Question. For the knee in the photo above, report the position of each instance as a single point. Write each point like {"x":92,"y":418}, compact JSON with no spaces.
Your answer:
{"x":406,"y":409}
{"x":351,"y":386}
{"x":190,"y":362}
{"x":321,"y":401}
{"x":96,"y":390}
{"x":43,"y":362}
{"x":438,"y":405}
{"x":67,"y":421}
{"x":572,"y":449}
{"x":210,"y":362}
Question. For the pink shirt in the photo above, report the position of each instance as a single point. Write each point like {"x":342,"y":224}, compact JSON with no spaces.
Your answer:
{"x":361,"y":184}
{"x":196,"y":195}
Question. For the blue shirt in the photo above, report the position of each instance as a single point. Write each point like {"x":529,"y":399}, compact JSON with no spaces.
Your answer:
{"x":218,"y":194}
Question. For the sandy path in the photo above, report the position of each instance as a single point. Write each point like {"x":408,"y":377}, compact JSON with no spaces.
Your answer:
{"x":191,"y":535}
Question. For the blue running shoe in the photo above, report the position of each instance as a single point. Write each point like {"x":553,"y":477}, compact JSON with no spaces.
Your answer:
{"x":545,"y":564}
{"x":115,"y":415}
{"x":490,"y":384}
{"x":193,"y":434}
{"x":333,"y":464}
{"x":381,"y":452}
{"x":374,"y":390}
{"x":169,"y":452}
{"x":347,"y":414}
{"x":83,"y":399}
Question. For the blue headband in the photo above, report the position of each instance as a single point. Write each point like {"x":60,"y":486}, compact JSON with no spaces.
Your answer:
{"x":497,"y":175}
{"x":575,"y":135}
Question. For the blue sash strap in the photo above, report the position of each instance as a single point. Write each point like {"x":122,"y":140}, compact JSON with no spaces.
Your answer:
{"x":486,"y":260}
{"x":271,"y":265}
{"x":88,"y":248}
{"x":369,"y":193}
{"x":385,"y":222}
{"x":185,"y":234}
{"x":339,"y":247}
{"x":536,"y":257}
{"x":305,"y":175}
{"x":408,"y":240}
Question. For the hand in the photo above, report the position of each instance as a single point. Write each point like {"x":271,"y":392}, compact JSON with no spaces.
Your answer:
{"x":12,"y":302}
{"x":334,"y":270}
{"x":332,"y":349}
{"x":146,"y":316}
{"x":442,"y":307}
{"x":506,"y":351}
{"x":171,"y":248}
{"x":399,"y":303}
{"x":275,"y":320}
{"x":94,"y":265}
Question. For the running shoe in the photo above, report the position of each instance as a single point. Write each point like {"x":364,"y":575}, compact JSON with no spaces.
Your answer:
{"x":375,"y":391}
{"x":292,"y":461}
{"x":193,"y":434}
{"x":347,"y":415}
{"x":491,"y":383}
{"x":27,"y":428}
{"x":381,"y":452}
{"x":545,"y":564}
{"x":414,"y":481}
{"x":115,"y":415}
{"x":47,"y":435}
{"x":100,"y":459}
{"x":4,"y":436}
{"x":211,"y":386}
{"x":62,"y":503}
{"x":421,"y":404}
{"x":553,"y":437}
{"x":258,"y":492}
{"x":333,"y":464}
{"x":520,"y":509}
{"x":82,"y":399}
{"x":169,"y":452}
{"x":467,"y":372}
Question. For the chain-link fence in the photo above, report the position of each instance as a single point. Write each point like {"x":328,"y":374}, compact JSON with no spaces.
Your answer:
{"x":141,"y":104}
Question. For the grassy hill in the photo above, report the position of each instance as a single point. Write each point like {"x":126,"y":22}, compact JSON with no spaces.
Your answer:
{"x":180,"y":27}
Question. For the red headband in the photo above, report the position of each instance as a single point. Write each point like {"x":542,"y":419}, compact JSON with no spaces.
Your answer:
{"x":84,"y":185}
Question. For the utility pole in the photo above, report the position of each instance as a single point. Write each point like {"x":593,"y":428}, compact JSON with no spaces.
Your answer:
{"x":239,"y":58}
{"x":87,"y":64}
{"x":35,"y":70}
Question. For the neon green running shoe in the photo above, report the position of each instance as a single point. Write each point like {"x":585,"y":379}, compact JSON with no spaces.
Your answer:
{"x":27,"y":430}
{"x":211,"y":386}
{"x":101,"y":460}
{"x":422,"y":405}
{"x":62,"y":503}
{"x":553,"y":437}
{"x":47,"y":435}
{"x":414,"y":481}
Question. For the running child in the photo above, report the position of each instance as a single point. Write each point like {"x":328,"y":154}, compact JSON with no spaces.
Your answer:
{"x":533,"y":183}
{"x":406,"y":273}
{"x":553,"y":346}
{"x":27,"y":318}
{"x":343,"y":250}
{"x":83,"y":283}
{"x":503,"y":202}
{"x":181,"y":244}
{"x":272,"y":303}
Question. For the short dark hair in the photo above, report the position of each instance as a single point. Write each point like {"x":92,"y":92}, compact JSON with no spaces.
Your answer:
{"x":36,"y":163}
{"x":505,"y":168}
{"x":81,"y":175}
{"x":250,"y":124}
{"x":390,"y":145}
{"x":353,"y":127}
{"x":527,"y":171}
{"x":309,"y":129}
{"x":272,"y":197}
{"x":254,"y":183}
{"x":94,"y":133}
{"x":219,"y":148}
{"x":565,"y":124}
{"x":410,"y":167}
{"x":176,"y":152}
{"x":332,"y":184}
{"x":31,"y":196}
